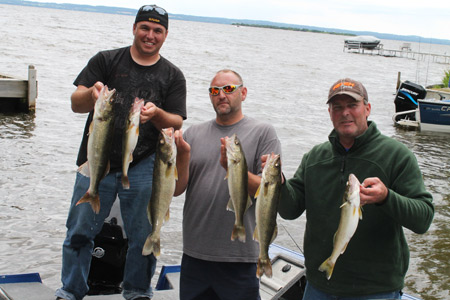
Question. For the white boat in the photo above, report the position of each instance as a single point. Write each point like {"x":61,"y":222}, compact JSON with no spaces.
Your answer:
{"x":425,"y":109}
{"x":362,"y":42}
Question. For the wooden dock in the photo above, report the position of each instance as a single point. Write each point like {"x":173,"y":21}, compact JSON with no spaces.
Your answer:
{"x":404,"y":51}
{"x":18,"y":95}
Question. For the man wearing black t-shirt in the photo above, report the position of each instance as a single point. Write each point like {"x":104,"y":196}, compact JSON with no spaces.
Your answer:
{"x":134,"y":71}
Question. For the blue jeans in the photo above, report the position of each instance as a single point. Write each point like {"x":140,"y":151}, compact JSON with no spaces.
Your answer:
{"x":83,"y":225}
{"x":311,"y":293}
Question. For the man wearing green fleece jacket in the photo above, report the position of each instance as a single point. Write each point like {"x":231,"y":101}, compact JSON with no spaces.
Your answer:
{"x":392,"y":194}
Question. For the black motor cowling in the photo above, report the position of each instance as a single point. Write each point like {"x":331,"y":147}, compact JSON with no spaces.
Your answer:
{"x":108,"y":260}
{"x":406,"y":99}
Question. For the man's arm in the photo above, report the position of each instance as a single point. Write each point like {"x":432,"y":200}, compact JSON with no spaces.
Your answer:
{"x":159,"y":117}
{"x":83,"y":98}
{"x":253,"y":183}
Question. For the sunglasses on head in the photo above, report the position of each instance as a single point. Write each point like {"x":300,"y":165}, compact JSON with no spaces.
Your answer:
{"x":227,"y":89}
{"x":158,"y":9}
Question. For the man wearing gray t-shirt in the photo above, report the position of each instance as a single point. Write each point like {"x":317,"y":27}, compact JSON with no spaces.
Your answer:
{"x":213,"y":266}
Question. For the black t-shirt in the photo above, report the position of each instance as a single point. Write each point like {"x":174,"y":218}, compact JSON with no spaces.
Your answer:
{"x":162,"y":83}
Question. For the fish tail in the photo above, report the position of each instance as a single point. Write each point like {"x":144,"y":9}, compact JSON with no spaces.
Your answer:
{"x":94,"y":200}
{"x":239,"y":233}
{"x":125,"y":182}
{"x":264,"y":267}
{"x":152,"y":245}
{"x":328,"y":267}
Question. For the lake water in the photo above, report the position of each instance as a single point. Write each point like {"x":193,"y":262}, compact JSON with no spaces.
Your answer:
{"x":287,"y":74}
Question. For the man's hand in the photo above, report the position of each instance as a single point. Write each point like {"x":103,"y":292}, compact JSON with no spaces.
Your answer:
{"x":148,"y":112}
{"x":373,"y":190}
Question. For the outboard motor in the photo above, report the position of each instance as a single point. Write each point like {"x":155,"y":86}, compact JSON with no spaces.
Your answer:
{"x":108,"y":260}
{"x":406,"y":99}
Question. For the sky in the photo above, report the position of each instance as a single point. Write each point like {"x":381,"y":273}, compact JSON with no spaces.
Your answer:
{"x":425,"y":18}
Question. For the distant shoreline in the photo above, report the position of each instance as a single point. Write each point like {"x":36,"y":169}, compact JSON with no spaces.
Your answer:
{"x":252,"y":23}
{"x":293,"y":29}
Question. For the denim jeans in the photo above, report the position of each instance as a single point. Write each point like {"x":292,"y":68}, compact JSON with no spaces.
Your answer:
{"x":83,"y":225}
{"x":311,"y":293}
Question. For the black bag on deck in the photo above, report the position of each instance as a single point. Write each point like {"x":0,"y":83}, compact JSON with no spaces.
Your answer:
{"x":108,"y":260}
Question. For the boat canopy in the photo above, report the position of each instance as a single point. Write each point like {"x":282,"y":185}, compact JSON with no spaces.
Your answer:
{"x":363,"y":39}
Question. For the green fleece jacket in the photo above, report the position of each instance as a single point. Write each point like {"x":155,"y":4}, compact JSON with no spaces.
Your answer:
{"x":377,"y":256}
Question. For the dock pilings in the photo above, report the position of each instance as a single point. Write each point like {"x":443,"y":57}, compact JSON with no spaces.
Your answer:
{"x":19,"y":95}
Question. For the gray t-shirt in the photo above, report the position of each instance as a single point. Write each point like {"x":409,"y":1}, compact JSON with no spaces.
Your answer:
{"x":207,"y":224}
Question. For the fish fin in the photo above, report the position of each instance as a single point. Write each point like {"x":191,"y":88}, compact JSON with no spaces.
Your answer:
{"x":264,"y":267}
{"x":94,"y":200}
{"x":360,"y":213}
{"x":171,"y":168}
{"x":345,"y":248}
{"x":130,"y":157}
{"x":239,"y":233}
{"x":249,"y":203}
{"x":108,"y":166}
{"x":327,"y":266}
{"x":125,"y":182}
{"x":96,"y":204}
{"x":152,"y":245}
{"x":343,"y":204}
{"x":226,"y":176}
{"x":355,"y":210}
{"x":230,"y":205}
{"x":149,"y":215}
{"x":266,"y":188}
{"x":255,"y":235}
{"x":257,"y":192}
{"x":274,"y":235}
{"x":167,"y":217}
{"x":84,"y":169}
{"x":91,"y":128}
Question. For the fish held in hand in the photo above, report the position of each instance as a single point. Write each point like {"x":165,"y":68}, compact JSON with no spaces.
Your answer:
{"x":164,"y":180}
{"x":350,"y":216}
{"x":267,"y":199}
{"x":130,"y":138}
{"x":237,"y":185}
{"x":101,"y":131}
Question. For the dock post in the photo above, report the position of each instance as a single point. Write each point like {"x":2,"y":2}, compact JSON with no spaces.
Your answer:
{"x":399,"y":75}
{"x":32,"y":88}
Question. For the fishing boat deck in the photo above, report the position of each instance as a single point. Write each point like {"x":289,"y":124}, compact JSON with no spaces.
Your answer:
{"x":288,"y":268}
{"x":38,"y":291}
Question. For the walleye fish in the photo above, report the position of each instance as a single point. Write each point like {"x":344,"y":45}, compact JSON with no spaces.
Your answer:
{"x":164,"y":179}
{"x":101,"y":131}
{"x":130,"y":139}
{"x":237,"y":185}
{"x":268,"y":196}
{"x":350,"y":216}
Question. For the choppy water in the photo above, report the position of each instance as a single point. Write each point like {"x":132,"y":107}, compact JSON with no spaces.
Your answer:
{"x":287,"y":74}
